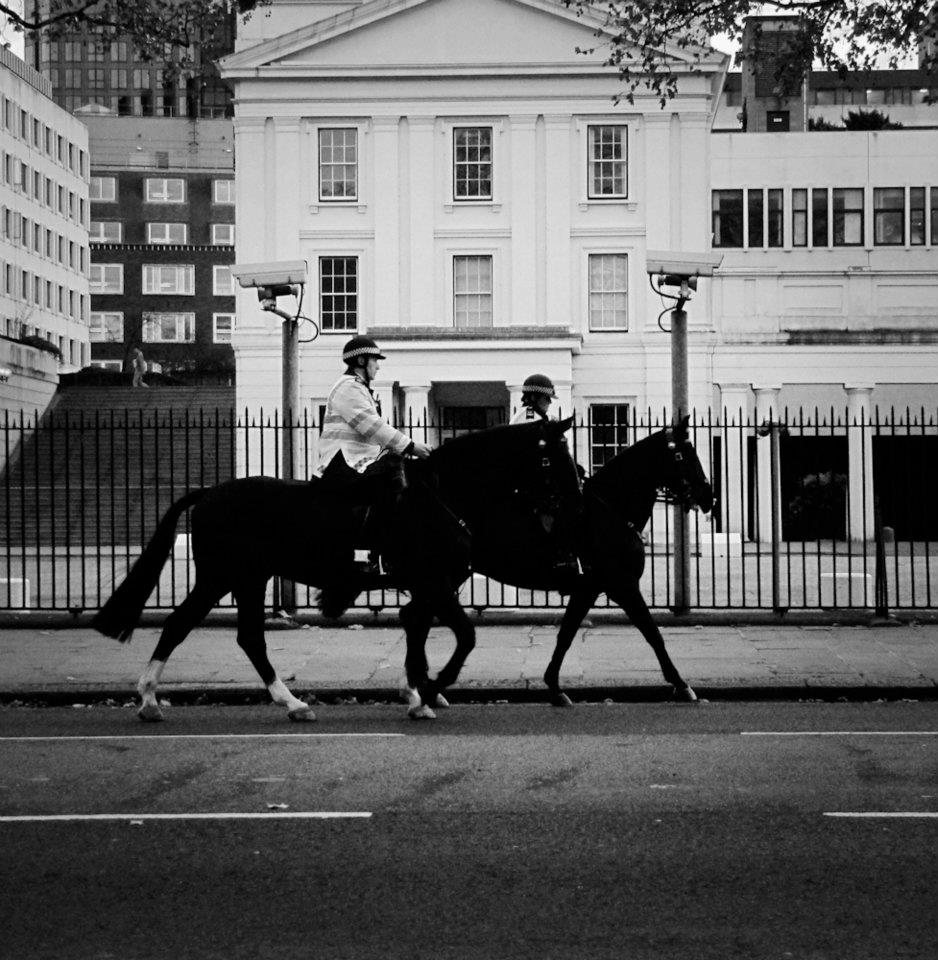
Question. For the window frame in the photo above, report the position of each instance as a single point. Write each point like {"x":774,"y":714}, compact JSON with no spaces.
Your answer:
{"x":799,"y":217}
{"x":223,"y":243}
{"x":99,"y":287}
{"x":355,"y":295}
{"x":186,"y":318}
{"x":99,"y":182}
{"x":229,"y":186}
{"x":880,"y":212}
{"x":217,"y":289}
{"x":148,"y":190}
{"x":619,"y":423}
{"x":457,"y":163}
{"x":591,"y":257}
{"x":216,"y":338}
{"x":593,"y":161}
{"x":457,"y":294}
{"x":918,"y":204}
{"x":322,"y":165}
{"x":103,"y":326}
{"x":841,"y":193}
{"x":186,"y":270}
{"x":101,"y":238}
{"x":717,"y":217}
{"x":166,"y":224}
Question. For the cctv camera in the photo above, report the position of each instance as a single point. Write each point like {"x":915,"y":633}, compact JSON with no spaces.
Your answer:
{"x":281,"y":273}
{"x":678,"y":267}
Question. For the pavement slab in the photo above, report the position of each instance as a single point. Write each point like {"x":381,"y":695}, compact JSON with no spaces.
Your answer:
{"x":354,"y":657}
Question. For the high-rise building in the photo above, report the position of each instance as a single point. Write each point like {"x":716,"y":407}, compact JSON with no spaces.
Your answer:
{"x":162,"y":207}
{"x":44,"y":212}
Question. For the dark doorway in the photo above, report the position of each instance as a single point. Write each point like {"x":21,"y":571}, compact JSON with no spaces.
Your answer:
{"x":814,"y":487}
{"x":777,"y":121}
{"x":904,"y":484}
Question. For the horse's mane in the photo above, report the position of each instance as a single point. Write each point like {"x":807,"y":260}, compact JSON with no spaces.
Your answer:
{"x":622,"y":465}
{"x":491,"y":442}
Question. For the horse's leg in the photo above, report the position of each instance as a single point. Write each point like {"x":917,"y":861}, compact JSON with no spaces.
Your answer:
{"x":633,"y":603}
{"x":250,"y":601}
{"x":417,"y":618}
{"x":176,"y":628}
{"x":451,"y":614}
{"x":578,"y":606}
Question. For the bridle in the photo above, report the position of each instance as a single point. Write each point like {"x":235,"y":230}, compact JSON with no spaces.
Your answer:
{"x":681,"y":491}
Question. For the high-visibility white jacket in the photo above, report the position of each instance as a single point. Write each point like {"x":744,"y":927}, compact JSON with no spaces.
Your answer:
{"x":526,"y":415}
{"x":353,"y":425}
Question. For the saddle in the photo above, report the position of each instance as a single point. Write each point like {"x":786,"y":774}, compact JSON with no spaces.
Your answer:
{"x":370,"y":495}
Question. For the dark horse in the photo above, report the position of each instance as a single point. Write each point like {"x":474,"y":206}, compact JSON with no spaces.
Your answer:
{"x":248,"y":530}
{"x":617,"y":504}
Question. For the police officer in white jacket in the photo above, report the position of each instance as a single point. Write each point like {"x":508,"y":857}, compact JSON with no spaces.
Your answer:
{"x":353,"y":423}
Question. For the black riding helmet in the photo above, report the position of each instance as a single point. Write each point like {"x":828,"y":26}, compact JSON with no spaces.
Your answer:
{"x":360,"y":347}
{"x":538,"y":383}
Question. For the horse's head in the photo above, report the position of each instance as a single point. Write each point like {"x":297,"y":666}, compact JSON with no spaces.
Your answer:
{"x":685,"y":478}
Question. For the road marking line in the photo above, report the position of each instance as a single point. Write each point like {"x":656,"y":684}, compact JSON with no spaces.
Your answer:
{"x":204,"y":736}
{"x":839,"y":733}
{"x":908,"y":815}
{"x":272,"y":815}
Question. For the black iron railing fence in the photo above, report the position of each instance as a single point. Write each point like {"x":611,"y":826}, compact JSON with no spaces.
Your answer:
{"x":812,"y":512}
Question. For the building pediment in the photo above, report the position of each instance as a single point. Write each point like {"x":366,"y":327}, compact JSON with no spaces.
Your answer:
{"x":435,"y":36}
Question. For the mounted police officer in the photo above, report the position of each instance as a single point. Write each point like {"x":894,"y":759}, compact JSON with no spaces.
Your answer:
{"x":536,"y":394}
{"x":353,"y":424}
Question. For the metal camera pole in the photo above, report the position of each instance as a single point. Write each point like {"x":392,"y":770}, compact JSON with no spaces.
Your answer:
{"x":284,"y":278}
{"x":285,"y":590}
{"x":681,"y":270}
{"x":679,"y":408}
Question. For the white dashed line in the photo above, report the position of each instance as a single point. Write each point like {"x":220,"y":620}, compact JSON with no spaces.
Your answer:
{"x":201,"y":736}
{"x":271,"y":815}
{"x":890,"y":815}
{"x":839,"y":733}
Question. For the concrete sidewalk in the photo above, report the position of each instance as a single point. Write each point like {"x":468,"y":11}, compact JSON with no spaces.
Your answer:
{"x":607,"y":660}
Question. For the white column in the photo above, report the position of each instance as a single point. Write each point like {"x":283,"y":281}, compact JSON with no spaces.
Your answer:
{"x":514,"y":398}
{"x":558,"y":178}
{"x":384,"y":391}
{"x":734,"y":399}
{"x":860,"y":462}
{"x":766,"y":410}
{"x":563,"y":405}
{"x":524,"y":222}
{"x":416,"y":408}
{"x":426,"y":283}
{"x":385,"y":150}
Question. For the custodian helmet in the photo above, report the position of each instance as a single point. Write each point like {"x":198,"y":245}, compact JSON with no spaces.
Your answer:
{"x":538,"y":383}
{"x":361,"y":347}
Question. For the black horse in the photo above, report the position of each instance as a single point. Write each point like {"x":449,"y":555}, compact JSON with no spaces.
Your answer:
{"x":248,"y":530}
{"x":606,"y":527}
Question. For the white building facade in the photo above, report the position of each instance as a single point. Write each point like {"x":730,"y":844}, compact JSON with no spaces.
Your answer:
{"x":43,"y":238}
{"x":465,"y":189}
{"x":479,"y":205}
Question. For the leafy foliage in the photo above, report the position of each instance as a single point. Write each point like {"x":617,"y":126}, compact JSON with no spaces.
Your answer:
{"x":869,"y":120}
{"x":819,"y":123}
{"x":839,"y":35}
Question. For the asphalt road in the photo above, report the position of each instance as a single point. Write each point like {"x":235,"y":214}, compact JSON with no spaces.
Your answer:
{"x":626,"y":831}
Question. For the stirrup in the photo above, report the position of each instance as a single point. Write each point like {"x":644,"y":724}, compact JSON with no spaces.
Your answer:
{"x":366,"y":563}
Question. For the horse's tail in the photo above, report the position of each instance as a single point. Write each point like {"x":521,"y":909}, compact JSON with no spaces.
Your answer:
{"x":119,"y":616}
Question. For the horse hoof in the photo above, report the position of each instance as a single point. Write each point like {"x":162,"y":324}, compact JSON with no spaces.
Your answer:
{"x":561,"y":700}
{"x":150,"y":713}
{"x":410,"y":696}
{"x":302,"y":714}
{"x":685,"y":695}
{"x":441,"y":702}
{"x":421,"y":712}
